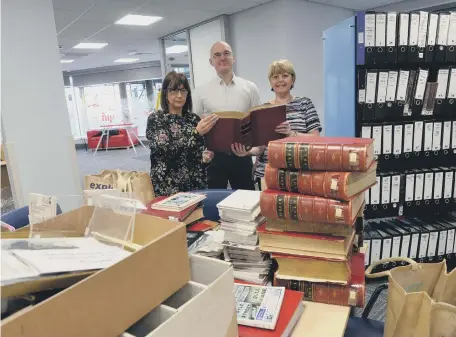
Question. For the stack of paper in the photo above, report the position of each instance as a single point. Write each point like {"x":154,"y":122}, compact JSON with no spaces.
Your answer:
{"x":240,"y":217}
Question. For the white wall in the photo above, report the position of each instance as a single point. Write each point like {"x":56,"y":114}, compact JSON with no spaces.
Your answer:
{"x":291,"y":29}
{"x":40,"y":149}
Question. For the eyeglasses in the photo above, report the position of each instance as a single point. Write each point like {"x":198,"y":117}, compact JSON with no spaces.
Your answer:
{"x":226,"y":54}
{"x":182,"y":91}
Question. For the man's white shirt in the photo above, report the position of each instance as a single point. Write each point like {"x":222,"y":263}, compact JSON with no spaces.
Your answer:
{"x":215,"y":96}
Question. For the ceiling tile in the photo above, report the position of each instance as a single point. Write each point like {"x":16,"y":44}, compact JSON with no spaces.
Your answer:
{"x":357,"y":4}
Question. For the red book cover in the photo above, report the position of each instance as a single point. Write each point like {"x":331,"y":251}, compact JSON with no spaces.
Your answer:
{"x":314,"y":153}
{"x":294,"y":206}
{"x":352,"y":294}
{"x":180,"y":216}
{"x":291,"y":302}
{"x":324,"y":184}
{"x":262,"y":230}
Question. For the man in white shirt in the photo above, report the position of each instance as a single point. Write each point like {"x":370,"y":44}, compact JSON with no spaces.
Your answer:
{"x":227,"y":92}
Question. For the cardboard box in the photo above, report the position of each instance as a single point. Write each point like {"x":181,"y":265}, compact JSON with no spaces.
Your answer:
{"x":107,"y":302}
{"x":204,"y":307}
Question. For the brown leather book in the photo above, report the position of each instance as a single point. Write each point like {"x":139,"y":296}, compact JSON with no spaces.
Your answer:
{"x":314,"y":153}
{"x":253,"y":128}
{"x":351,"y":294}
{"x":334,"y":185}
{"x":293,"y":206}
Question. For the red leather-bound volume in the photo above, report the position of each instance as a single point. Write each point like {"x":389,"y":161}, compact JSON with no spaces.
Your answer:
{"x":352,"y":294}
{"x":313,"y":153}
{"x":294,"y":206}
{"x":334,"y":185}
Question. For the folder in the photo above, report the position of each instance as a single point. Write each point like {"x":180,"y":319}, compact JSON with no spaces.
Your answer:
{"x":397,"y":142}
{"x":441,"y":94}
{"x":387,"y":137}
{"x":438,"y":185}
{"x":366,"y":131}
{"x":410,"y":93}
{"x":415,"y":236}
{"x":450,"y":236}
{"x":393,"y":76}
{"x":437,"y":137}
{"x":361,"y":91}
{"x":419,"y":187}
{"x":441,"y":241}
{"x":453,"y":136}
{"x":367,"y":247}
{"x":401,"y":92}
{"x":380,"y":38}
{"x":376,"y":244}
{"x":396,"y":188}
{"x":402,"y":51}
{"x":418,"y":94}
{"x":386,"y":189}
{"x":386,"y":243}
{"x":375,"y":194}
{"x":451,"y":100}
{"x":424,"y":240}
{"x":391,"y":29}
{"x":413,"y":37}
{"x":433,"y":240}
{"x":380,"y":104}
{"x":409,"y":188}
{"x":369,"y":37}
{"x":431,"y":38}
{"x":418,"y":132}
{"x":408,"y":139}
{"x":371,"y":90}
{"x":377,"y":137}
{"x":448,"y":184}
{"x":442,"y":37}
{"x":428,"y":136}
{"x":422,"y":34}
{"x":451,"y":42}
{"x":429,"y":99}
{"x":446,"y":137}
{"x":428,"y":186}
{"x":396,"y":239}
{"x":405,"y":238}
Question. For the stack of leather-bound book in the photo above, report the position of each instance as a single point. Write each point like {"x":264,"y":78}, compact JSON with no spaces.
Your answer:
{"x":313,"y":204}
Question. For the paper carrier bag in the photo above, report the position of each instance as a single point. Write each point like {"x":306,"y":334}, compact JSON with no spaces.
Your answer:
{"x":421,"y":299}
{"x":136,"y":183}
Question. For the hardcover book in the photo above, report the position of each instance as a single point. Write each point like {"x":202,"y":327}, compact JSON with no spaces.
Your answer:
{"x":314,"y":153}
{"x":334,"y":185}
{"x":253,"y":128}
{"x":180,"y":216}
{"x":293,"y":206}
{"x":178,"y":202}
{"x":352,"y":294}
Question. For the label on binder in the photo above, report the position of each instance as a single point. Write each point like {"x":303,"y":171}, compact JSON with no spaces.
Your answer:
{"x":452,"y":85}
{"x":422,"y":31}
{"x":386,"y":190}
{"x":405,"y":245}
{"x":414,"y":246}
{"x":442,"y":34}
{"x":382,"y":86}
{"x":375,"y":193}
{"x":442,"y":242}
{"x":366,"y":243}
{"x":403,"y":29}
{"x":387,"y":138}
{"x":437,"y":136}
{"x":418,"y":136}
{"x":392,"y":85}
{"x":433,"y":240}
{"x":377,"y":136}
{"x":414,"y":29}
{"x":362,"y":95}
{"x":391,"y":29}
{"x":395,"y":188}
{"x":438,"y":185}
{"x":448,"y":189}
{"x":442,"y":83}
{"x":423,"y":245}
{"x":367,"y":196}
{"x":428,"y":182}
{"x":397,"y":147}
{"x":386,"y":251}
{"x":409,"y":187}
{"x":428,"y":135}
{"x":366,"y":132}
{"x":408,"y":138}
{"x":432,"y":29}
{"x":450,"y":241}
{"x":402,"y":87}
{"x":453,"y":136}
{"x":380,"y":29}
{"x":370,"y":87}
{"x":452,"y":30}
{"x":375,"y":251}
{"x":419,"y":186}
{"x":369,"y":30}
{"x":421,"y":85}
{"x":446,"y":139}
{"x":395,"y":249}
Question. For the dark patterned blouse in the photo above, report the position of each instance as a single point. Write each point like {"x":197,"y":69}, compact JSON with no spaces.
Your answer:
{"x":176,"y":151}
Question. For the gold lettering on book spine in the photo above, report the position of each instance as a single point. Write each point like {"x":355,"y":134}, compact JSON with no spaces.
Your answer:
{"x":293,"y":208}
{"x":289,"y":155}
{"x":282,"y":178}
{"x":294,"y":177}
{"x":280,"y":204}
{"x":307,"y":288}
{"x":304,"y":156}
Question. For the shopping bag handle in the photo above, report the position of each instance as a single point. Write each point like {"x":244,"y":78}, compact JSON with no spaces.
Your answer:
{"x":368,"y":272}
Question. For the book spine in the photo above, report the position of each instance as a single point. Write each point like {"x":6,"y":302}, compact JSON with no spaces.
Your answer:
{"x":346,"y":295}
{"x":305,"y":208}
{"x":323,"y":184}
{"x":318,"y":157}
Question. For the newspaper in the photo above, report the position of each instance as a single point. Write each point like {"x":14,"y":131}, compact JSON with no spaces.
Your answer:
{"x":258,"y":306}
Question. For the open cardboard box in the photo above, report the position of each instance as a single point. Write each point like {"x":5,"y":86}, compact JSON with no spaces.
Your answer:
{"x":107,"y":302}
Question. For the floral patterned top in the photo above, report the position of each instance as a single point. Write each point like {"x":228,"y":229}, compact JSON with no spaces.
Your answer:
{"x":176,"y":152}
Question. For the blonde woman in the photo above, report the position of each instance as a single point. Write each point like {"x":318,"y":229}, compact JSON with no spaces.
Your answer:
{"x":302,"y":118}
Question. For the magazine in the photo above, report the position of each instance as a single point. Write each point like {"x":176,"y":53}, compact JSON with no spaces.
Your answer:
{"x":258,"y":306}
{"x":178,"y":202}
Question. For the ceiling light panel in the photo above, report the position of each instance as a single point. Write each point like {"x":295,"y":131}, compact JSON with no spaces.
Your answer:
{"x":90,"y":45}
{"x":126,"y":60}
{"x":138,"y":20}
{"x":177,"y":49}
{"x":66,"y":61}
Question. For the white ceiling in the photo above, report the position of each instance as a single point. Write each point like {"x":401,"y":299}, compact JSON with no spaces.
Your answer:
{"x":93,"y":21}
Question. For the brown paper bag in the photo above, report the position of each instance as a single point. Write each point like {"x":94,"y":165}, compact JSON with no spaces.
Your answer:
{"x":415,"y":295}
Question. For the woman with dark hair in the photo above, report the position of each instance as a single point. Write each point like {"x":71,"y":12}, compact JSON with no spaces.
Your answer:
{"x":176,"y":140}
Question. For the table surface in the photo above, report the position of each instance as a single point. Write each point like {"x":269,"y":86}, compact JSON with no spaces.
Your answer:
{"x":322,"y":320}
